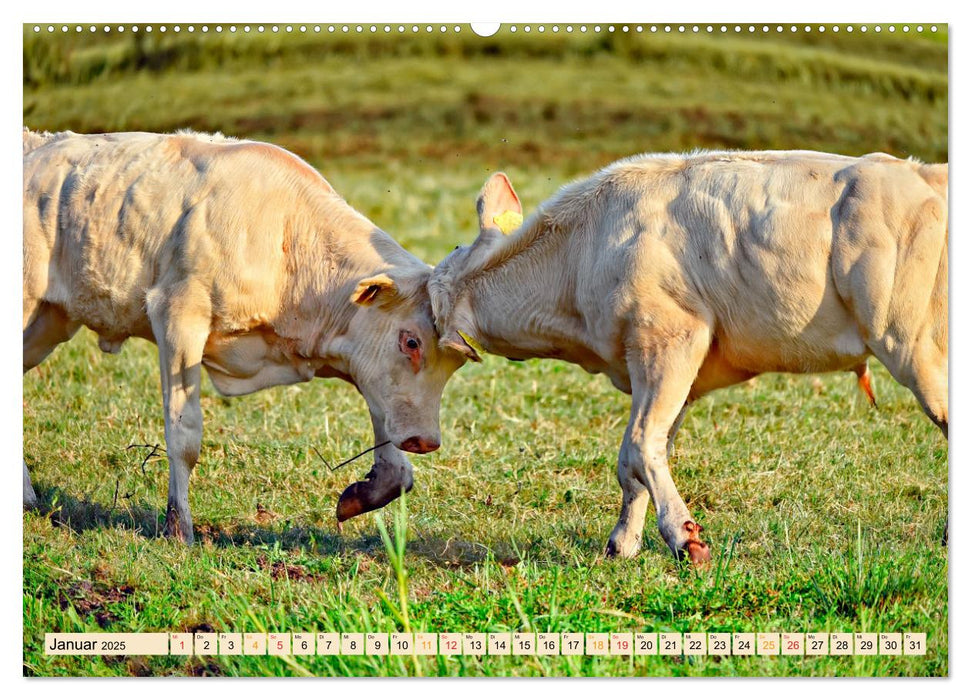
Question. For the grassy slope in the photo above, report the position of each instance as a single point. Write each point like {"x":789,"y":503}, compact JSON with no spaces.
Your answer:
{"x":822,"y":513}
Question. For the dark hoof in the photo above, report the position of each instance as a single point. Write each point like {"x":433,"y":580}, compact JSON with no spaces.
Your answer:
{"x":610,"y":551}
{"x":696,"y":550}
{"x":381,"y":485}
{"x":363,"y":497}
{"x":351,"y":504}
{"x":699,"y":553}
{"x":174,"y":529}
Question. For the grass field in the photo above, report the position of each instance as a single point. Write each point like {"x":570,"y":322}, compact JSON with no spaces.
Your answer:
{"x":823,"y":514}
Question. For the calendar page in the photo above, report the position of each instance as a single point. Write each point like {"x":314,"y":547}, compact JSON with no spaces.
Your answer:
{"x":517,"y":349}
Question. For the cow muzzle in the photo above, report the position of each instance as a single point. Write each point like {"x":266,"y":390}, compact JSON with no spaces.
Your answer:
{"x":419,"y":444}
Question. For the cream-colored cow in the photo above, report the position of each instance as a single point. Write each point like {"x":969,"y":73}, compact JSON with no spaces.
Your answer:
{"x":679,"y":274}
{"x":239,"y":257}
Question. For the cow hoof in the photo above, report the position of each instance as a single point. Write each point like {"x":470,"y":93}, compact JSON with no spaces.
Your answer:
{"x":349,"y":505}
{"x":376,"y":491}
{"x":30,"y":498}
{"x":362,"y":497}
{"x":174,"y":527}
{"x":697,"y":551}
{"x":619,"y":548}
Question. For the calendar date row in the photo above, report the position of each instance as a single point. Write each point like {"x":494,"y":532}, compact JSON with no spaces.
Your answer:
{"x":490,"y":644}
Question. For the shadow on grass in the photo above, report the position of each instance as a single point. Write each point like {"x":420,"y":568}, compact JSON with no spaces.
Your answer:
{"x":451,"y":553}
{"x":83,"y":514}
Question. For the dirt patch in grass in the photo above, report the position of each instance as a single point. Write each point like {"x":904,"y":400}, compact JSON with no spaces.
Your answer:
{"x":281,"y":570}
{"x":264,"y":515}
{"x":89,"y":598}
{"x":204,"y":669}
{"x":139,"y":667}
{"x":458,"y":554}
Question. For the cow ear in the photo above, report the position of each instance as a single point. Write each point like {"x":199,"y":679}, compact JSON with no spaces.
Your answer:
{"x":498,"y":206}
{"x":379,"y":288}
{"x":460,"y":342}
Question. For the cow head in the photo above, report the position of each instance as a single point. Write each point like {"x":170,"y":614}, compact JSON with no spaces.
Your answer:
{"x":396,"y":361}
{"x":500,"y":213}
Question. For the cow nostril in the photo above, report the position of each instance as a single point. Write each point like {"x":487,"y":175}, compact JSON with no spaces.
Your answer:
{"x":419,"y":445}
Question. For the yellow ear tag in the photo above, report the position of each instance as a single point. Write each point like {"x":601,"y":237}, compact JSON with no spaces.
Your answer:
{"x":508,"y":221}
{"x":473,"y":343}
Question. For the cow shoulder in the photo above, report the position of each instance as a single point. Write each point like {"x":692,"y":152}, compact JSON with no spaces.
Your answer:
{"x":936,"y":176}
{"x":255,"y":158}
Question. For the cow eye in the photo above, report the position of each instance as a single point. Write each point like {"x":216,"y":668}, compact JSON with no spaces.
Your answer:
{"x":409,"y":344}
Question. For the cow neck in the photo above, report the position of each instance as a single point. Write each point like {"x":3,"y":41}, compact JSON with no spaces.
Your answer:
{"x":336,"y":249}
{"x":522,"y":298}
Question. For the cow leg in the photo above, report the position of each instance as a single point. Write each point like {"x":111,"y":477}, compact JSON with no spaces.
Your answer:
{"x":390,"y":476}
{"x":931,"y":392}
{"x":673,"y":432}
{"x":45,"y":327}
{"x":180,"y":323}
{"x":929,"y":385}
{"x":30,"y":498}
{"x":924,"y":372}
{"x":928,"y":372}
{"x":662,"y":371}
{"x":625,"y":540}
{"x":715,"y":373}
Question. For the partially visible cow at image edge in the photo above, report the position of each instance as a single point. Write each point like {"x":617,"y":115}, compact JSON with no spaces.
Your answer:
{"x":676,"y":275}
{"x":239,"y":257}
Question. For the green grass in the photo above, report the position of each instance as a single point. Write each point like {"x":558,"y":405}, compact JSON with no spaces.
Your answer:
{"x":822,"y":513}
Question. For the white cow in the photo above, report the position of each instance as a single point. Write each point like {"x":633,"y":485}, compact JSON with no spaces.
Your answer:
{"x":239,"y":257}
{"x":679,"y":274}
